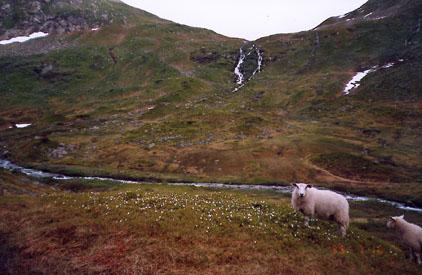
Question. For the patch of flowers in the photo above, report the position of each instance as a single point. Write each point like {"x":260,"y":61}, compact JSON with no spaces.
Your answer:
{"x":211,"y":212}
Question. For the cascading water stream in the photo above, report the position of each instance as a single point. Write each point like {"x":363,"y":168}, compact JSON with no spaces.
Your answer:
{"x":237,"y":70}
{"x":240,"y":77}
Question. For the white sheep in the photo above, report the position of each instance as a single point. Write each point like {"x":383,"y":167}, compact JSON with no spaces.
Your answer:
{"x":410,"y":233}
{"x":322,"y":204}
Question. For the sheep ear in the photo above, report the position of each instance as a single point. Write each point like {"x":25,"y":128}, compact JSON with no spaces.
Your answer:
{"x":295,"y":185}
{"x":402,"y":216}
{"x":309,"y":186}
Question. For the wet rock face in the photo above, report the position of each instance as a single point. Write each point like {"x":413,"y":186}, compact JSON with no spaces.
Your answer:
{"x":51,"y":16}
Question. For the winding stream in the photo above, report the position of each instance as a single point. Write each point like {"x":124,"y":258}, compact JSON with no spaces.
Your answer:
{"x":7,"y":165}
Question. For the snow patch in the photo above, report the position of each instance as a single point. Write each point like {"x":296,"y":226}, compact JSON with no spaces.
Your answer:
{"x":22,"y":125}
{"x":380,"y":18}
{"x":21,"y":39}
{"x":355,"y":82}
{"x":388,"y":65}
{"x":369,"y":14}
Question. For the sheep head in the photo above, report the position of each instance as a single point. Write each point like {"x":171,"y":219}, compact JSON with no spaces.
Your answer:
{"x":392,"y":222}
{"x":302,"y":189}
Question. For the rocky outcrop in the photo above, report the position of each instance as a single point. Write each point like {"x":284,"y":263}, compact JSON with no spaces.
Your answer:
{"x":62,"y":150}
{"x":19,"y":17}
{"x":205,"y":57}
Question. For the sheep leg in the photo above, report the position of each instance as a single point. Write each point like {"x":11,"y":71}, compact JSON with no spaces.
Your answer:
{"x":411,"y":254}
{"x":418,"y":258}
{"x":307,"y":221}
{"x":342,"y":230}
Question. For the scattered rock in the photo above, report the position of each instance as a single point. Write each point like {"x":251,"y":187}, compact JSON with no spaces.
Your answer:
{"x":371,"y":133}
{"x":42,"y":139}
{"x":280,"y":152}
{"x":46,"y":69}
{"x":382,"y":142}
{"x":240,"y":136}
{"x":34,"y":7}
{"x":387,"y":160}
{"x":4,"y":154}
{"x":366,"y":152}
{"x":258,"y":96}
{"x":265,"y":134}
{"x":63,"y":150}
{"x":112,"y":55}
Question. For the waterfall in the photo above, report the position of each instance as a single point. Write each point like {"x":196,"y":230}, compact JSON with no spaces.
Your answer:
{"x":237,"y":70}
{"x":240,"y":77}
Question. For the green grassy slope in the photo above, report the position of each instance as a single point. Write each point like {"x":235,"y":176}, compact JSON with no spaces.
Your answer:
{"x":151,"y":98}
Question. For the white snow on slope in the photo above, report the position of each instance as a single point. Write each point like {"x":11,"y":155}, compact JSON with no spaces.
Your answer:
{"x":23,"y":125}
{"x":355,"y":82}
{"x":380,"y":18}
{"x":21,"y":39}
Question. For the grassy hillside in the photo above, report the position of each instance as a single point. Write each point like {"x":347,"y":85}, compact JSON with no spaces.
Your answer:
{"x":151,"y":98}
{"x":179,"y":230}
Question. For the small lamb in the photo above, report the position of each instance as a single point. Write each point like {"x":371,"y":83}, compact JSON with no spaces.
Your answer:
{"x":411,"y":235}
{"x":323,"y":204}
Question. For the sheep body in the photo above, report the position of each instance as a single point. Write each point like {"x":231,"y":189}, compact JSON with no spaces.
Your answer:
{"x":410,"y":233}
{"x":322,"y":204}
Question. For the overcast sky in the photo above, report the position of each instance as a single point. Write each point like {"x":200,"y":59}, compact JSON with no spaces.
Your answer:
{"x":250,"y":19}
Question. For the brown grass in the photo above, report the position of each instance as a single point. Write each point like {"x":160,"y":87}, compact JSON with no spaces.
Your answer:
{"x":66,"y":233}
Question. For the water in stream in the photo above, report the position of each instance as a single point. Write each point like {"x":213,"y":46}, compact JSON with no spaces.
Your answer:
{"x":7,"y":165}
